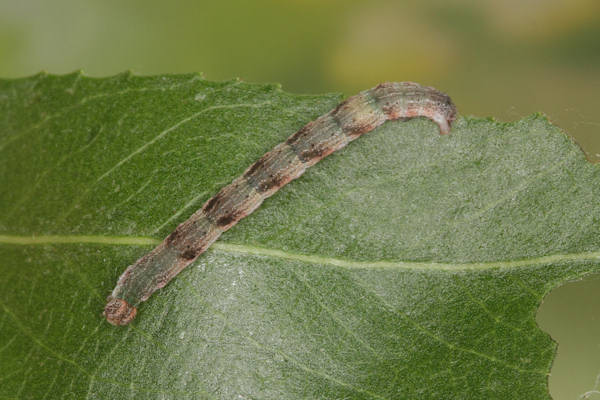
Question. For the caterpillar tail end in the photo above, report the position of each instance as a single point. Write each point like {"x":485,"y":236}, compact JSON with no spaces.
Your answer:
{"x":118,"y":312}
{"x":445,"y":119}
{"x":445,"y":113}
{"x":444,"y":127}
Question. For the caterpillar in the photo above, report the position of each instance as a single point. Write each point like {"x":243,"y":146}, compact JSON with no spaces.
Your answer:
{"x":287,"y":161}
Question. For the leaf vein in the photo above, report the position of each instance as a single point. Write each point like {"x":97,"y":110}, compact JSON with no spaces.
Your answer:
{"x":312,"y":259}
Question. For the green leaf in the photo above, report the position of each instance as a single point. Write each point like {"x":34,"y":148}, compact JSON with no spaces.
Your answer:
{"x":407,"y":266}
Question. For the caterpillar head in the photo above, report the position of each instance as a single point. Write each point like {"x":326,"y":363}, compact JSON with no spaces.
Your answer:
{"x":119,"y":312}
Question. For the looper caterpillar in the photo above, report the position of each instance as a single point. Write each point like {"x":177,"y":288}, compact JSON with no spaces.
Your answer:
{"x":353,"y":117}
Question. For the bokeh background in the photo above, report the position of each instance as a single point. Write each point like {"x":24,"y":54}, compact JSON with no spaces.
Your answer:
{"x":500,"y":58}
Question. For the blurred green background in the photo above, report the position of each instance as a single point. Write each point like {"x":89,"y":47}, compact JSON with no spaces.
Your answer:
{"x":501,"y":58}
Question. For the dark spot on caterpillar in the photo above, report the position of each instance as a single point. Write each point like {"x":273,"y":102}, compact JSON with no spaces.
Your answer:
{"x":189,"y":254}
{"x":173,"y":236}
{"x":300,"y":135}
{"x":340,"y":106}
{"x":227,"y":219}
{"x":353,"y":129}
{"x":257,"y":166}
{"x":213,"y":203}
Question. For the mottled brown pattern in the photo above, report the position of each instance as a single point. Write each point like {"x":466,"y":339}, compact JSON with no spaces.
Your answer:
{"x":313,"y":152}
{"x":352,"y":118}
{"x":273,"y":181}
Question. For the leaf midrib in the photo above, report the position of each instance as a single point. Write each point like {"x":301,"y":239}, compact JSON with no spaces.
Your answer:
{"x":311,"y":259}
